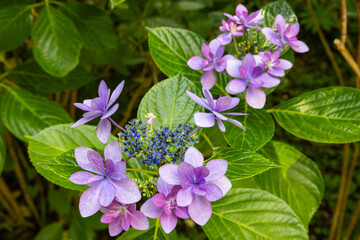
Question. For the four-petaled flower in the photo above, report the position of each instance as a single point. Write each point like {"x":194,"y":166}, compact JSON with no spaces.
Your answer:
{"x":106,"y":184}
{"x":100,"y":106}
{"x":273,"y":64}
{"x":200,"y":184}
{"x":287,"y":35}
{"x":244,"y":19}
{"x":215,"y":107}
{"x":163,"y":205}
{"x":214,"y":59}
{"x":120,"y":216}
{"x":251,"y":75}
{"x":231,"y":29}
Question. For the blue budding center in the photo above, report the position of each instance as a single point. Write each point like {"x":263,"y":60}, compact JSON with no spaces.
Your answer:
{"x":158,"y":146}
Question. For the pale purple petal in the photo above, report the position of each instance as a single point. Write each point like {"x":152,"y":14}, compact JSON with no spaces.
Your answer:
{"x":116,"y":93}
{"x":89,"y":201}
{"x":219,"y":51}
{"x":200,"y":210}
{"x":220,"y":65}
{"x":110,"y":112}
{"x":222,"y":103}
{"x":168,"y":222}
{"x":84,"y":120}
{"x":196,"y":63}
{"x":298,"y":46}
{"x":84,"y":178}
{"x":269,"y":81}
{"x":103,"y":91}
{"x":198,"y":191}
{"x":186,"y":172}
{"x":159,"y":200}
{"x":232,"y":67}
{"x":127,"y":191}
{"x":150,"y":210}
{"x":125,"y":221}
{"x":231,"y":17}
{"x":83,"y":106}
{"x":224,"y":38}
{"x":214,"y":45}
{"x":182,"y":212}
{"x":217,"y":169}
{"x":255,"y":97}
{"x":213,"y":192}
{"x":198,"y":100}
{"x":139,"y":221}
{"x":240,"y":9}
{"x":293,"y":30}
{"x":223,"y":183}
{"x":284,"y":64}
{"x":163,"y":187}
{"x":93,"y":114}
{"x":109,"y":216}
{"x":204,"y":119}
{"x":107,"y":194}
{"x":185,"y":197}
{"x":221,"y":125}
{"x":209,"y":98}
{"x":119,"y":171}
{"x":81,"y":156}
{"x":236,"y":123}
{"x":169,"y":173}
{"x":271,"y":36}
{"x":115,"y":228}
{"x":200,"y":173}
{"x":96,"y":160}
{"x":208,"y":79}
{"x":103,"y":130}
{"x":234,"y":102}
{"x":276,"y":71}
{"x":280,"y":24}
{"x":236,"y":86}
{"x":249,"y":63}
{"x":113,"y":151}
{"x":205,"y":50}
{"x":194,"y":157}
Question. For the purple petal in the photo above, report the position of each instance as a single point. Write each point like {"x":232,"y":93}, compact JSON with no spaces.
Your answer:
{"x":255,"y":17}
{"x":200,"y":210}
{"x":125,"y":221}
{"x":159,"y":200}
{"x":213,"y":192}
{"x":209,"y":98}
{"x":275,"y":55}
{"x":208,"y":79}
{"x":255,"y":97}
{"x":214,"y":46}
{"x":84,"y":178}
{"x":232,"y":68}
{"x":236,"y":86}
{"x":103,"y":130}
{"x":163,"y":187}
{"x":109,"y":216}
{"x":217,"y":169}
{"x":236,"y":123}
{"x":115,"y":228}
{"x":182,"y":212}
{"x":205,"y":50}
{"x":150,"y":210}
{"x":83,"y":106}
{"x":298,"y":46}
{"x":284,"y":64}
{"x":255,"y":83}
{"x":119,"y":171}
{"x":196,"y":63}
{"x":224,"y":38}
{"x":198,"y":100}
{"x":186,"y":172}
{"x":221,"y":125}
{"x":201,"y":172}
{"x":110,"y":112}
{"x":89,"y":201}
{"x":84,"y":120}
{"x":96,"y":160}
{"x":107,"y":194}
{"x":240,"y":9}
{"x":249,"y":63}
{"x":97,"y":104}
{"x":113,"y":151}
{"x":81,"y":156}
{"x":231,"y":17}
{"x":280,"y":24}
{"x":103,"y":91}
{"x":276,"y":71}
{"x":271,"y":36}
{"x":127,"y":190}
{"x":168,"y":222}
{"x":185,"y":197}
{"x":139,"y":221}
{"x":293,"y":30}
{"x":223,"y":183}
{"x":220,"y":65}
{"x":198,"y":191}
{"x":234,"y":102}
{"x":169,"y":173}
{"x":93,"y":114}
{"x":204,"y":119}
{"x":269,"y":81}
{"x":219,"y":51}
{"x":109,"y":166}
{"x":116,"y":93}
{"x":194,"y":157}
{"x":222,"y":103}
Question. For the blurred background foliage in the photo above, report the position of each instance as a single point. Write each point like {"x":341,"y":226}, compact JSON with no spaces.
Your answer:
{"x":114,"y":48}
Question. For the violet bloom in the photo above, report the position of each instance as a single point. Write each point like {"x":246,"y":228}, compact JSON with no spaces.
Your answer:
{"x":287,"y":35}
{"x":214,"y":59}
{"x":200,"y":184}
{"x":244,"y":19}
{"x":100,"y":106}
{"x":105,"y":185}
{"x":121,"y":216}
{"x":163,"y":205}
{"x":274,"y":65}
{"x":231,"y":29}
{"x":215,"y":107}
{"x":250,"y":75}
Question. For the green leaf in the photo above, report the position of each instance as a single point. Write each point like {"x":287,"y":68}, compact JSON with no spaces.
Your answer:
{"x":94,"y":25}
{"x":26,"y":114}
{"x":57,"y":42}
{"x":33,"y":77}
{"x":253,"y":214}
{"x":59,"y":202}
{"x":298,"y":182}
{"x":259,"y":127}
{"x":2,"y":148}
{"x":242,"y":164}
{"x":52,"y":152}
{"x":114,"y":3}
{"x":15,"y":26}
{"x":328,"y":115}
{"x":169,"y":102}
{"x":51,"y":231}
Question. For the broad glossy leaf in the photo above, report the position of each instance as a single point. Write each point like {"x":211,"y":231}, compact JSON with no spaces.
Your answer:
{"x":26,"y":114}
{"x":242,"y":164}
{"x":259,"y":127}
{"x":94,"y":25}
{"x":52,"y":152}
{"x":31,"y":76}
{"x":51,"y":231}
{"x":169,"y":102}
{"x":57,"y":42}
{"x":253,"y":214}
{"x":114,"y":3}
{"x":328,"y":115}
{"x":15,"y":26}
{"x":298,"y":182}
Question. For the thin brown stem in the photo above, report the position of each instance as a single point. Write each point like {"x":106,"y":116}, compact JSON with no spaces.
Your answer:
{"x":353,"y":221}
{"x":349,"y":59}
{"x":65,"y":100}
{"x":73,"y":99}
{"x":8,"y":206}
{"x":343,"y":28}
{"x":358,"y":42}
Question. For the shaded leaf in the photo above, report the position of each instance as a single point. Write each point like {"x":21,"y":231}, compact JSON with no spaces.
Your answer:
{"x":51,"y":231}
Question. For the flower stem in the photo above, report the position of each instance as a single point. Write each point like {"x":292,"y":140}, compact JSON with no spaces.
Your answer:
{"x":236,"y":47}
{"x":116,"y":125}
{"x":142,"y":170}
{"x":247,"y":39}
{"x":128,"y":158}
{"x":195,"y":131}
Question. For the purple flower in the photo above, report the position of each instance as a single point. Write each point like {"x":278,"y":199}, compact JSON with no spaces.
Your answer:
{"x":100,"y":106}
{"x":105,"y":185}
{"x":200,"y":184}
{"x":120,"y":216}
{"x":250,"y":75}
{"x":231,"y":29}
{"x":274,"y":65}
{"x":215,"y":107}
{"x":163,"y":205}
{"x":245,"y":20}
{"x":287,"y":35}
{"x":214,"y":59}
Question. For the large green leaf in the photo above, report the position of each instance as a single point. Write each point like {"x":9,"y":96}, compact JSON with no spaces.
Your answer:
{"x":57,"y":42}
{"x":95,"y":26}
{"x":259,"y":127}
{"x":242,"y":164}
{"x":31,"y":76}
{"x":51,"y":151}
{"x":15,"y":26}
{"x":169,"y":102}
{"x":253,"y":214}
{"x":26,"y":114}
{"x":328,"y":115}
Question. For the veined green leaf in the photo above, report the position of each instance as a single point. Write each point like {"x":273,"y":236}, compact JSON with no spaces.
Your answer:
{"x":114,"y":3}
